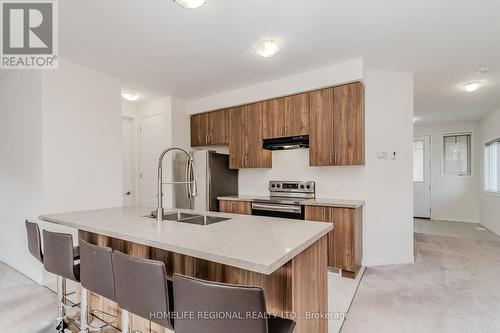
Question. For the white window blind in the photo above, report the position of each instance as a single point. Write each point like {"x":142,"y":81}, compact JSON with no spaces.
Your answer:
{"x":492,"y":166}
{"x":418,"y":161}
{"x":457,"y":154}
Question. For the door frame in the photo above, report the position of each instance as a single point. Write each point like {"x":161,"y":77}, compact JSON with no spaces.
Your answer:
{"x":135,"y":138}
{"x":429,"y":137}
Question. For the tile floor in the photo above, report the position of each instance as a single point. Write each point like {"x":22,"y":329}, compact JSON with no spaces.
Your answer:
{"x":454,"y":229}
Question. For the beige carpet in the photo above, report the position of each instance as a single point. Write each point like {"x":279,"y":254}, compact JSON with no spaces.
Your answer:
{"x":454,"y":286}
{"x":25,"y":307}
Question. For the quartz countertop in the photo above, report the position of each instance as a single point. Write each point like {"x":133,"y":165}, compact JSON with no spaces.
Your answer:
{"x":254,"y":243}
{"x":341,"y":203}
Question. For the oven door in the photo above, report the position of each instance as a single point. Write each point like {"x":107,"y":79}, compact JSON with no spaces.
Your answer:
{"x":277,"y":210}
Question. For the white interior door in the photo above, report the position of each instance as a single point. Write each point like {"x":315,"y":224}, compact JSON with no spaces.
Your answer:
{"x":421,"y":177}
{"x":129,"y":161}
{"x":151,"y":142}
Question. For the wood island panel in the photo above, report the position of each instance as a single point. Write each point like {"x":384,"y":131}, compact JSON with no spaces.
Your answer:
{"x":299,"y":286}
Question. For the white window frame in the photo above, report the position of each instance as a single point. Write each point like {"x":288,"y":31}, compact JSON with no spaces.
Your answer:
{"x":472,"y":154}
{"x":487,"y":169}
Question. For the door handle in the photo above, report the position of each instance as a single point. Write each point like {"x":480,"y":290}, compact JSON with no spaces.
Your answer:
{"x":330,"y":158}
{"x":128,"y":193}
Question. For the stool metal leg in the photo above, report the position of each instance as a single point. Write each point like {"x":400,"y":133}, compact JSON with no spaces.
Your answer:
{"x":125,"y":321}
{"x":83,"y":310}
{"x":61,"y":295}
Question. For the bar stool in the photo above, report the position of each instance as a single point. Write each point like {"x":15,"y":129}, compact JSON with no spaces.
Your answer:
{"x":59,"y":258}
{"x":34,"y":240}
{"x":142,"y":288}
{"x":35,"y":249}
{"x":199,"y":296}
{"x":97,"y":276}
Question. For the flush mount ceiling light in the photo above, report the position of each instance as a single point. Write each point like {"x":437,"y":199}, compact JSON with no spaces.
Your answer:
{"x":130,"y":96}
{"x":267,"y":48}
{"x":190,"y":4}
{"x":472,"y":86}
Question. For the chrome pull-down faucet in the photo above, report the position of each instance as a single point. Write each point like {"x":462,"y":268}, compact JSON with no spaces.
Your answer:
{"x":190,"y":180}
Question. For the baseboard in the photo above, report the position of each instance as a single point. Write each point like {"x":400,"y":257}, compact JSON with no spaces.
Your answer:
{"x":36,"y":276}
{"x":448,"y":219}
{"x":388,"y":261}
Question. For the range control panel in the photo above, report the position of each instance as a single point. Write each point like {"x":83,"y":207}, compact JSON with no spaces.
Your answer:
{"x":291,"y":187}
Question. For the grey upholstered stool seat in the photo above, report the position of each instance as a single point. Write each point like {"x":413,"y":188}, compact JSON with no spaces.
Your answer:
{"x":59,"y":259}
{"x":35,"y":242}
{"x":142,"y":288}
{"x":97,"y":275}
{"x":199,"y":296}
{"x":59,"y":255}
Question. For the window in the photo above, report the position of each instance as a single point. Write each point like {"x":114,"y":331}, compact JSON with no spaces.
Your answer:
{"x":457,"y":154}
{"x":418,"y":161}
{"x":492,"y":166}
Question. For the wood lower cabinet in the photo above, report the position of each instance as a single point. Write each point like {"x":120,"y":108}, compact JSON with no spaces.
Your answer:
{"x":345,"y":240}
{"x":245,"y":138}
{"x":286,"y":116}
{"x":336,"y":117}
{"x":235,"y":207}
{"x":209,"y":129}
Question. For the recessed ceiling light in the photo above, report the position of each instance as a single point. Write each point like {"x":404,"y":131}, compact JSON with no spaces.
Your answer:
{"x":482,"y":70}
{"x":130,"y":96}
{"x":190,"y":4}
{"x":267,"y":48}
{"x":472,"y":86}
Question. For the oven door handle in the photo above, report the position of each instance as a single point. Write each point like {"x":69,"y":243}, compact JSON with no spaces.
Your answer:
{"x":277,"y":208}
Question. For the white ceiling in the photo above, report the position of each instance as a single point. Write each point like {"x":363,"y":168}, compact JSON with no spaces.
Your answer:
{"x":159,"y":47}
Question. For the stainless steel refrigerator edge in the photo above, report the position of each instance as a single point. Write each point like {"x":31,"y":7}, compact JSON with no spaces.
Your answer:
{"x":213,"y":177}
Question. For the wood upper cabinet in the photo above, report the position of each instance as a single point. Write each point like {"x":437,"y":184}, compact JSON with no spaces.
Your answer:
{"x":336,"y":117}
{"x":321,"y":132}
{"x":344,"y":241}
{"x":211,"y":128}
{"x":286,"y":116}
{"x":245,"y":138}
{"x":235,"y":207}
{"x":199,"y":130}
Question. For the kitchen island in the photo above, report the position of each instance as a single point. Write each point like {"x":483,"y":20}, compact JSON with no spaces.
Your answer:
{"x":287,"y":258}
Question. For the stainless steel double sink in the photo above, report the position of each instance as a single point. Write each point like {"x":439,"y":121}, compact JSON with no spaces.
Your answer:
{"x":189,"y":218}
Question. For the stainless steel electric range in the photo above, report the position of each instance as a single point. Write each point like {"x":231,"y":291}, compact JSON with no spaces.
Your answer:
{"x":285,"y":199}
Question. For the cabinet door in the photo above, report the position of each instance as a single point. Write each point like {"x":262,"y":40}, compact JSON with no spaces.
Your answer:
{"x":321,"y":127}
{"x":218,"y":127}
{"x":255,"y":155}
{"x":342,"y":247}
{"x":199,"y":130}
{"x":273,"y":111}
{"x":348,"y":124}
{"x":237,"y":151}
{"x":316,"y":213}
{"x":323,"y":214}
{"x":297,"y":115}
{"x":235,"y":207}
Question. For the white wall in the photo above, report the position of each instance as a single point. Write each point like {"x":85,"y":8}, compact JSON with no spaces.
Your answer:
{"x":489,"y":203}
{"x":453,"y":198}
{"x":81,"y":124}
{"x":327,"y":76}
{"x":20,"y":167}
{"x":60,"y":151}
{"x":385,"y":185}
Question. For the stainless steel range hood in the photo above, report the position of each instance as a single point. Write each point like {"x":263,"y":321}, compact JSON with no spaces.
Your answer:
{"x":292,"y":142}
